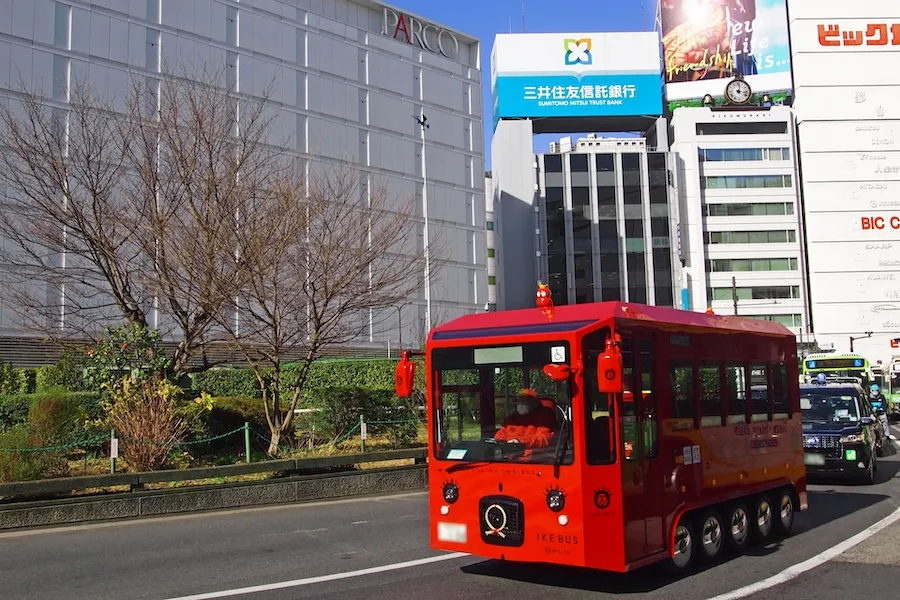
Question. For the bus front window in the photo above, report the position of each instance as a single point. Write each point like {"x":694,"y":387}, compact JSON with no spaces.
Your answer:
{"x":488,"y":410}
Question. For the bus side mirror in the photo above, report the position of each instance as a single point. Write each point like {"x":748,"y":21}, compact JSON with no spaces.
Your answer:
{"x":404,"y":376}
{"x":609,"y":370}
{"x":557,"y":371}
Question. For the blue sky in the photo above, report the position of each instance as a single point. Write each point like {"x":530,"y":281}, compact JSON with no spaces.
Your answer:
{"x":485,"y":18}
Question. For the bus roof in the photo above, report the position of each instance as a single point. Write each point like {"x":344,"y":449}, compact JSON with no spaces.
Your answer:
{"x":574,"y":317}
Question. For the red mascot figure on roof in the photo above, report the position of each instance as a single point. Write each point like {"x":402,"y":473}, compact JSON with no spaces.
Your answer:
{"x":544,"y":300}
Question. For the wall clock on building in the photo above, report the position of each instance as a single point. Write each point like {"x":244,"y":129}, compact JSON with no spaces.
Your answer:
{"x":738,"y":91}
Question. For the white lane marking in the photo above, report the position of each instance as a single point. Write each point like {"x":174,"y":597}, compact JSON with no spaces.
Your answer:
{"x":322,"y":578}
{"x":809,"y":564}
{"x":203,"y":515}
{"x":358,"y":522}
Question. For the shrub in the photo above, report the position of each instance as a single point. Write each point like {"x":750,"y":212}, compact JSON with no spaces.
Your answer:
{"x":341,"y":407}
{"x":230,"y":412}
{"x":67,"y":374}
{"x":15,"y":381}
{"x":18,"y":466}
{"x":227,"y":383}
{"x":151,"y":417}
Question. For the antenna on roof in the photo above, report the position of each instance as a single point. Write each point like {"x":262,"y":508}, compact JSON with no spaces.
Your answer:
{"x":523,"y":16}
{"x":510,"y":24}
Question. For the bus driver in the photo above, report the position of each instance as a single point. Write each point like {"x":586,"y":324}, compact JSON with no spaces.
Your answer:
{"x":532,"y":424}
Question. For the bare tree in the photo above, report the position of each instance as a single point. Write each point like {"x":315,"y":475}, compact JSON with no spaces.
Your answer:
{"x":318,"y":254}
{"x":123,"y":212}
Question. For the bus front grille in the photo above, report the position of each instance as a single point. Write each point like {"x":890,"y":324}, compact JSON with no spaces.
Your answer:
{"x":502,"y":521}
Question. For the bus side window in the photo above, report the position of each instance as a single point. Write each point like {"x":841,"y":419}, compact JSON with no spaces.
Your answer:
{"x":780,"y":395}
{"x":599,"y":430}
{"x":683,"y":407}
{"x":759,"y":392}
{"x":631,"y":396}
{"x":649,"y":418}
{"x":736,"y":390}
{"x":710,"y":396}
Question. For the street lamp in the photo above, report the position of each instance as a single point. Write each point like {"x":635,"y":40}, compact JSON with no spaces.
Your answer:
{"x":860,"y":337}
{"x":423,"y":123}
{"x":400,"y":323}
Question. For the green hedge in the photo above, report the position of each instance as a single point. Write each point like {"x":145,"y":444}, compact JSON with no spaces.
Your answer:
{"x":372,"y":374}
{"x":15,"y":408}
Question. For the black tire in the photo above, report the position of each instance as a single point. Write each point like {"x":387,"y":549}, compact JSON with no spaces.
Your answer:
{"x":684,"y":551}
{"x":869,"y":477}
{"x":784,"y":513}
{"x":711,"y":536}
{"x":764,"y":518}
{"x":738,"y":527}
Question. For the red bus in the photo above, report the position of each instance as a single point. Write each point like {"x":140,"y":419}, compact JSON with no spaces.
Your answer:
{"x":707,"y":458}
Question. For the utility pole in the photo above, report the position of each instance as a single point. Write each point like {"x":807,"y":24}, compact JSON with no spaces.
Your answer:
{"x":734,"y":294}
{"x":423,"y":123}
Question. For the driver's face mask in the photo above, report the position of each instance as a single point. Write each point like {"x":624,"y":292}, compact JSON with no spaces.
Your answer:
{"x":522,"y":409}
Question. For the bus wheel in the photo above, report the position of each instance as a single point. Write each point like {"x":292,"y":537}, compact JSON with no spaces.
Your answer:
{"x":784,"y":523}
{"x":762,"y":525}
{"x":682,"y":554}
{"x":711,"y":535}
{"x":738,"y":527}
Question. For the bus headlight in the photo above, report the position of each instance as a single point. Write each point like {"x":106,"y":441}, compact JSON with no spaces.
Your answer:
{"x":556,"y":500}
{"x":451,"y":493}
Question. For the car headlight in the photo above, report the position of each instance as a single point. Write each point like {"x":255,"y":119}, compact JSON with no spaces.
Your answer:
{"x":851,"y":439}
{"x":556,"y":500}
{"x":451,"y":493}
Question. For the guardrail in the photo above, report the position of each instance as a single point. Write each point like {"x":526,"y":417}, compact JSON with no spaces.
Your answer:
{"x":53,"y":488}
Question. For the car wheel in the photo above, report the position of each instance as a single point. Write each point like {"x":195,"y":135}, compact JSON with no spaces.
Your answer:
{"x":710,"y":535}
{"x":784,"y":518}
{"x":764,"y":518}
{"x":738,"y":524}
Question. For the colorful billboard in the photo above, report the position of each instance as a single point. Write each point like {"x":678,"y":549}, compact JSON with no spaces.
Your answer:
{"x":706,"y":43}
{"x":576,"y":75}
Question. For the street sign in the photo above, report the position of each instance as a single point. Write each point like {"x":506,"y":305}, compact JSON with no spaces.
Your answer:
{"x":114,"y":448}
{"x":363,"y":433}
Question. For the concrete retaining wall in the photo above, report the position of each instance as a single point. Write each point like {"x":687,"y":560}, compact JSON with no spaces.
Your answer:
{"x":152,"y":503}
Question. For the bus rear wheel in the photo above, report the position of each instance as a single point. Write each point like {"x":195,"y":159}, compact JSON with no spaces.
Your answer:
{"x":681,"y":556}
{"x":765,"y":515}
{"x":711,"y":535}
{"x":784,"y":521}
{"x":738,"y":524}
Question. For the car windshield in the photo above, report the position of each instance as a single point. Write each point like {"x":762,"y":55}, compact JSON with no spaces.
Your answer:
{"x":497,"y":404}
{"x":832,"y":407}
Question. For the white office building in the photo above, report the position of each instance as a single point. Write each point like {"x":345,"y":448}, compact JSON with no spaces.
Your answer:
{"x":350,"y":76}
{"x":740,"y":213}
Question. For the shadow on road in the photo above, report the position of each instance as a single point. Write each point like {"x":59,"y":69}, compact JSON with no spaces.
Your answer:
{"x":825,"y":507}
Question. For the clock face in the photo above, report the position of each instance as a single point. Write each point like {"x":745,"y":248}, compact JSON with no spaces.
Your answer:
{"x":738,"y":91}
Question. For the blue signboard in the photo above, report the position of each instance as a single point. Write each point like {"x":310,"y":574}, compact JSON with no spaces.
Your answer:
{"x":613,"y":95}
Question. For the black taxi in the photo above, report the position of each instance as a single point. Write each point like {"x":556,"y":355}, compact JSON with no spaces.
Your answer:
{"x":840,"y":431}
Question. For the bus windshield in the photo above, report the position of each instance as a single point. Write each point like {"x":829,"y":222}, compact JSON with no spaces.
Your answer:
{"x":495,"y":404}
{"x":829,"y":407}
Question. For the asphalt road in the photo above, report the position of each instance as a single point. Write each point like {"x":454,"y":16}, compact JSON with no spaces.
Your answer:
{"x":175,"y":557}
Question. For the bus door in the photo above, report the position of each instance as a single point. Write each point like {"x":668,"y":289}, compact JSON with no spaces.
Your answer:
{"x":642,"y":476}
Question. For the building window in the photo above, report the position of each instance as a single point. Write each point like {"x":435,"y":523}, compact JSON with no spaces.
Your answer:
{"x":751,"y":237}
{"x":743,"y":154}
{"x":756,"y":293}
{"x":723,"y":182}
{"x":491,"y":253}
{"x":490,"y":225}
{"x":749,"y":209}
{"x":725,"y":265}
{"x":737,"y":128}
{"x":786,"y":320}
{"x":492,"y":280}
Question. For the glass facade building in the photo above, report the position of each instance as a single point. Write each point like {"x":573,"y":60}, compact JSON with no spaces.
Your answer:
{"x":606,"y":217}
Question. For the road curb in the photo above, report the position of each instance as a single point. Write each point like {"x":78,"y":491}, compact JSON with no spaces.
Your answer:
{"x":183,"y":500}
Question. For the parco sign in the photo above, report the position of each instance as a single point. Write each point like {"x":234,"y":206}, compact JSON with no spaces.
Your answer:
{"x":424,"y":35}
